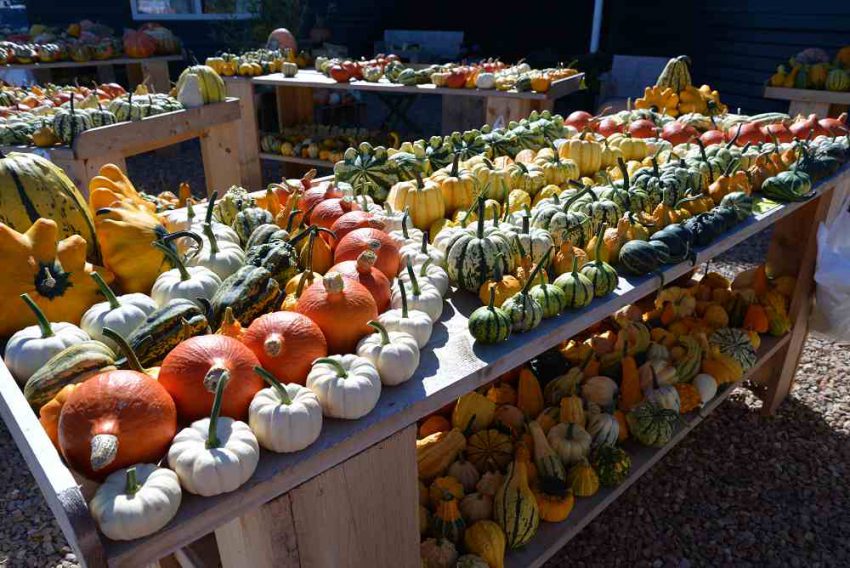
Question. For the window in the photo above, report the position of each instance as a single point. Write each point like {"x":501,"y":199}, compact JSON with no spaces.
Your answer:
{"x":193,"y":9}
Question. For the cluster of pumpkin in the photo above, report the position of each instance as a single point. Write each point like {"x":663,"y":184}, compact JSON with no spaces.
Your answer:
{"x":254,"y":63}
{"x":674,"y":94}
{"x":300,"y":290}
{"x":519,"y":451}
{"x":813,"y":69}
{"x":323,"y":142}
{"x":497,"y":75}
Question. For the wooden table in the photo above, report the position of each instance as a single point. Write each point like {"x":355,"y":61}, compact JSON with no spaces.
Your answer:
{"x":808,"y":101}
{"x":152,"y":69}
{"x":216,"y":125}
{"x":463,"y":109}
{"x":350,"y":499}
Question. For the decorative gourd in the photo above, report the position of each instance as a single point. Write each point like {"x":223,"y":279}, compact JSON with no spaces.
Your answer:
{"x":222,"y":257}
{"x":582,"y":479}
{"x":529,"y":393}
{"x":447,"y":521}
{"x":736,"y":344}
{"x":70,"y":366}
{"x":348,"y":386}
{"x":430,"y":273}
{"x":136,"y":502}
{"x":602,"y":427}
{"x":476,"y":507}
{"x":505,"y":285}
{"x":189,"y":283}
{"x":555,"y":500}
{"x":414,"y":322}
{"x":577,"y":287}
{"x":689,"y":397}
{"x":548,"y":462}
{"x":122,"y":314}
{"x":434,"y":453}
{"x":424,"y":199}
{"x":551,"y":298}
{"x":214,"y":455}
{"x":457,"y":187}
{"x":601,"y":275}
{"x":471,"y":258}
{"x":631,"y":393}
{"x":489,"y":450}
{"x":570,"y":441}
{"x":502,"y":392}
{"x":30,"y":348}
{"x":341,"y":308}
{"x":285,"y":418}
{"x":612,"y":465}
{"x":192,"y":370}
{"x":486,"y":539}
{"x":526,"y":312}
{"x":665,"y":396}
{"x":286,"y":344}
{"x":572,"y":407}
{"x":490,"y":483}
{"x":433,"y":424}
{"x":724,"y":368}
{"x":422,"y":296}
{"x":515,"y":508}
{"x":418,"y":253}
{"x":490,"y":324}
{"x":706,"y":386}
{"x":599,"y":390}
{"x":473,"y":412}
{"x":438,"y":553}
{"x":395,"y":354}
{"x":358,"y":240}
{"x":465,"y":473}
{"x":442,"y":485}
{"x":48,"y":414}
{"x":363,"y":271}
{"x":652,"y":425}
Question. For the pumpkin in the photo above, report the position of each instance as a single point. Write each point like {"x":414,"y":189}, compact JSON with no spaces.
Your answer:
{"x":612,"y":465}
{"x":502,"y":392}
{"x":433,"y":424}
{"x":425,"y":200}
{"x":325,"y":303}
{"x":285,"y":418}
{"x":652,"y":425}
{"x":122,"y":314}
{"x":394,"y":354}
{"x":359,"y":240}
{"x":136,"y":502}
{"x":286,"y":344}
{"x":601,"y":275}
{"x":138,"y":45}
{"x":466,"y":473}
{"x":192,"y":283}
{"x":423,"y":296}
{"x":504,"y":285}
{"x":193,"y":369}
{"x":48,"y":414}
{"x":599,"y":390}
{"x":447,"y":521}
{"x":486,"y":539}
{"x":547,"y":461}
{"x":490,"y":324}
{"x":214,"y":455}
{"x":476,"y":507}
{"x":471,"y":257}
{"x":436,"y":452}
{"x":32,"y":187}
{"x":555,"y":500}
{"x":457,"y":187}
{"x":348,"y":386}
{"x":524,"y":310}
{"x":603,"y":428}
{"x":473,"y":412}
{"x":586,"y":154}
{"x":489,"y":450}
{"x":363,"y":271}
{"x":582,"y":479}
{"x":570,"y":441}
{"x":437,"y":553}
{"x":515,"y":508}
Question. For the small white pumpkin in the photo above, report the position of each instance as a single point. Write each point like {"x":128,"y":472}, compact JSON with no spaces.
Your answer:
{"x":348,"y":386}
{"x":214,"y":455}
{"x":570,"y":441}
{"x":394,"y":353}
{"x":602,"y":427}
{"x":179,"y":219}
{"x":222,"y":257}
{"x":600,"y":390}
{"x":189,"y":94}
{"x":396,"y":220}
{"x":285,"y":418}
{"x":30,"y":348}
{"x":190,"y":283}
{"x":430,"y":273}
{"x":122,"y":314}
{"x":706,"y":386}
{"x":423,"y":296}
{"x":415,"y":322}
{"x":136,"y":501}
{"x":418,"y":253}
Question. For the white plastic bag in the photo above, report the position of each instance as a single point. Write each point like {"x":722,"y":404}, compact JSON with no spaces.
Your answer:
{"x":831,"y":315}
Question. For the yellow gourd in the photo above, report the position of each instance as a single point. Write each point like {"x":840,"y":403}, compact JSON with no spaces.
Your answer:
{"x":457,"y":187}
{"x":473,"y":412}
{"x":724,"y":368}
{"x":587,"y":154}
{"x":582,"y":479}
{"x":435,"y":453}
{"x":424,"y":199}
{"x":515,"y":508}
{"x":442,"y":485}
{"x":487,"y":540}
{"x":660,"y":99}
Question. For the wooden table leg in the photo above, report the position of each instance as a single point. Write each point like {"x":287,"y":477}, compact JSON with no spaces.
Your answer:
{"x":360,"y":513}
{"x":220,"y":154}
{"x":507,"y":109}
{"x":249,"y":145}
{"x":462,"y":113}
{"x":294,"y":106}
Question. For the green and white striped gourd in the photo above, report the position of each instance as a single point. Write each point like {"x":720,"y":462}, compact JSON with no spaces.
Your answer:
{"x":551,"y":298}
{"x":489,"y":324}
{"x":601,"y":274}
{"x":525,"y":312}
{"x":471,"y":258}
{"x":578,"y":289}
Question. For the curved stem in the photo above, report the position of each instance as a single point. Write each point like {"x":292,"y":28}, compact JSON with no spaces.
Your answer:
{"x":403,"y":298}
{"x":455,"y":162}
{"x":533,"y":275}
{"x":272,"y":381}
{"x":125,"y":349}
{"x":106,"y":290}
{"x":423,"y":270}
{"x":404,"y":219}
{"x":212,"y":435}
{"x":210,"y":207}
{"x":187,"y":234}
{"x":414,"y":283}
{"x":625,"y":171}
{"x":340,"y":370}
{"x":210,"y":234}
{"x":174,"y":259}
{"x":291,"y":219}
{"x":40,"y":318}
{"x":385,"y":336}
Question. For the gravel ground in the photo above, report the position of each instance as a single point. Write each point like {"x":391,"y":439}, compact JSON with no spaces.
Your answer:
{"x":740,"y":490}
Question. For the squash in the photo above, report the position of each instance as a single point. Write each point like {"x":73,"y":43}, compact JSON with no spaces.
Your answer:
{"x":505,"y":285}
{"x":192,"y":283}
{"x":457,"y":187}
{"x":603,"y":428}
{"x":502,"y":392}
{"x":425,"y":200}
{"x":119,"y":313}
{"x":437,"y":553}
{"x":736,"y":344}
{"x":423,"y":296}
{"x":529,"y":393}
{"x":414,"y":322}
{"x":465,"y":473}
{"x":394,"y":354}
{"x":170,"y":324}
{"x":489,"y":450}
{"x":447,"y":521}
{"x":136,"y":502}
{"x":286,"y":344}
{"x":473,"y":412}
{"x":652,"y":425}
{"x":525,"y":312}
{"x":487,"y":539}
{"x":70,"y":366}
{"x":515,"y":508}
{"x":436,"y":452}
{"x":214,"y":455}
{"x":326,"y":301}
{"x":490,"y":324}
{"x":572,"y":407}
{"x":116,"y":419}
{"x":471,"y":258}
{"x":612,"y":465}
{"x":599,"y":390}
{"x":348,"y":386}
{"x":555,"y":500}
{"x":586,"y":154}
{"x":570,"y":441}
{"x":441,"y":486}
{"x":285,"y":418}
{"x":476,"y":507}
{"x":582,"y":479}
{"x":706,"y":386}
{"x":548,"y":462}
{"x":601,"y":275}
{"x":358,"y":240}
{"x":433,"y":424}
{"x":631,"y":393}
{"x":48,"y":414}
{"x":363,"y":271}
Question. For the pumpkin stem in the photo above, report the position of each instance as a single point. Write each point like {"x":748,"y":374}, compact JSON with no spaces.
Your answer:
{"x":210,"y":234}
{"x":526,"y":225}
{"x":333,"y":362}
{"x":210,"y":207}
{"x":480,"y":231}
{"x":187,"y":234}
{"x":455,"y":162}
{"x":491,"y":304}
{"x":105,"y":290}
{"x":174,"y":259}
{"x":425,"y":239}
{"x":104,"y":448}
{"x":418,"y":174}
{"x":575,"y":266}
{"x":190,"y":211}
{"x":621,"y":163}
{"x":291,"y":219}
{"x":40,"y":318}
{"x":132,"y":486}
{"x":543,"y":262}
{"x":272,"y":381}
{"x":212,"y":435}
{"x":404,"y":219}
{"x":423,"y":270}
{"x":125,"y":349}
{"x":385,"y":336}
{"x":598,"y":248}
{"x":414,"y":283}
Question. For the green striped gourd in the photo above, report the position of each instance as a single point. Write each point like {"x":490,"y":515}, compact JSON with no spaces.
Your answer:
{"x":489,"y":324}
{"x":652,"y":425}
{"x":551,"y":298}
{"x":515,"y":507}
{"x":471,"y":258}
{"x":676,"y":74}
{"x":250,"y":292}
{"x":601,"y":274}
{"x":525,"y":312}
{"x":265,"y":234}
{"x":578,"y":289}
{"x":639,"y":258}
{"x":249,"y":219}
{"x":548,"y":463}
{"x":177,"y":320}
{"x":70,"y":366}
{"x":278,"y":257}
{"x":735,"y":343}
{"x":612,"y":465}
{"x":100,"y":116}
{"x":71,"y":123}
{"x":368,"y":169}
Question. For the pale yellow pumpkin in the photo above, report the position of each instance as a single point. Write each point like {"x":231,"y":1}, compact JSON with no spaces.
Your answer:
{"x":424,"y":199}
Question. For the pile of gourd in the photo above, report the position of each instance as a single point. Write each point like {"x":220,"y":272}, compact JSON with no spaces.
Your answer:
{"x":320,"y":141}
{"x":521,"y":450}
{"x":244,"y":324}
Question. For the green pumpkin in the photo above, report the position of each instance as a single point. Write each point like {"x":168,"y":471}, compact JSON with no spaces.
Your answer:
{"x":639,"y":258}
{"x":652,"y":425}
{"x":525,"y":312}
{"x":551,"y":298}
{"x":612,"y":465}
{"x":472,"y":257}
{"x":740,"y":202}
{"x":71,"y":123}
{"x":467,"y":144}
{"x":578,"y":290}
{"x":791,"y":185}
{"x":368,"y":169}
{"x":489,"y":324}
{"x":735,"y":343}
{"x":601,"y":274}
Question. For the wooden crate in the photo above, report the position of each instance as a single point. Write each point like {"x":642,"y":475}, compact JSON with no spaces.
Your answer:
{"x":334,"y":504}
{"x":809,"y":101}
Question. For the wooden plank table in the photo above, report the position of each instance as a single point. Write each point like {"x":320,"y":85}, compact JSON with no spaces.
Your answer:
{"x":154,"y":70}
{"x":333,"y":503}
{"x":216,"y":125}
{"x":810,"y":101}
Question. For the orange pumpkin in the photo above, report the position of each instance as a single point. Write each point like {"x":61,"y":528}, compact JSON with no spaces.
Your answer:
{"x":363,"y":271}
{"x":314,"y":195}
{"x":191,"y":372}
{"x":286,"y":344}
{"x":356,"y":220}
{"x":433,"y":424}
{"x":328,"y":211}
{"x":48,"y":415}
{"x":138,"y":45}
{"x":358,"y":240}
{"x":114,"y":420}
{"x":341,"y":308}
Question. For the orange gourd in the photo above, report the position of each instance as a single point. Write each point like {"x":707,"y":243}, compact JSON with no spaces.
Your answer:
{"x":317,"y":252}
{"x":356,"y":220}
{"x":689,"y":397}
{"x":630,"y":392}
{"x":193,"y":369}
{"x":502,"y":393}
{"x":341,"y":308}
{"x":48,"y":414}
{"x":114,"y":420}
{"x":230,"y":326}
{"x":529,"y":393}
{"x":363,"y":271}
{"x":755,"y":319}
{"x":358,"y":240}
{"x":328,"y":211}
{"x":286,"y":344}
{"x":316,"y":194}
{"x":433,"y":424}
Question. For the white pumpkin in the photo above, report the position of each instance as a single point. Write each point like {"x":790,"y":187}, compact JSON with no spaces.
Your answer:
{"x":444,"y":238}
{"x":422,"y":296}
{"x":395,"y":220}
{"x":418,"y":253}
{"x":30,"y":348}
{"x":394,"y":353}
{"x":136,"y":502}
{"x":415,"y":322}
{"x":190,"y":282}
{"x":430,"y":273}
{"x":599,"y":390}
{"x":570,"y":441}
{"x":214,"y":455}
{"x":285,"y":418}
{"x":180,"y":219}
{"x":602,"y":427}
{"x":222,"y":257}
{"x":122,"y":314}
{"x":706,"y":386}
{"x":348,"y":386}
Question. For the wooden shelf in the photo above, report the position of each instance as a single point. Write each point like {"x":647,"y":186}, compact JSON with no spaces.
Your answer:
{"x":807,"y":95}
{"x":551,"y":537}
{"x":92,"y":63}
{"x":314,"y":163}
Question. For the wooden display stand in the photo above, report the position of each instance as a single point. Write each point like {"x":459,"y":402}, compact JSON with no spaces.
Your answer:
{"x":350,"y":499}
{"x":810,"y":101}
{"x":216,"y":125}
{"x":151,"y":70}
